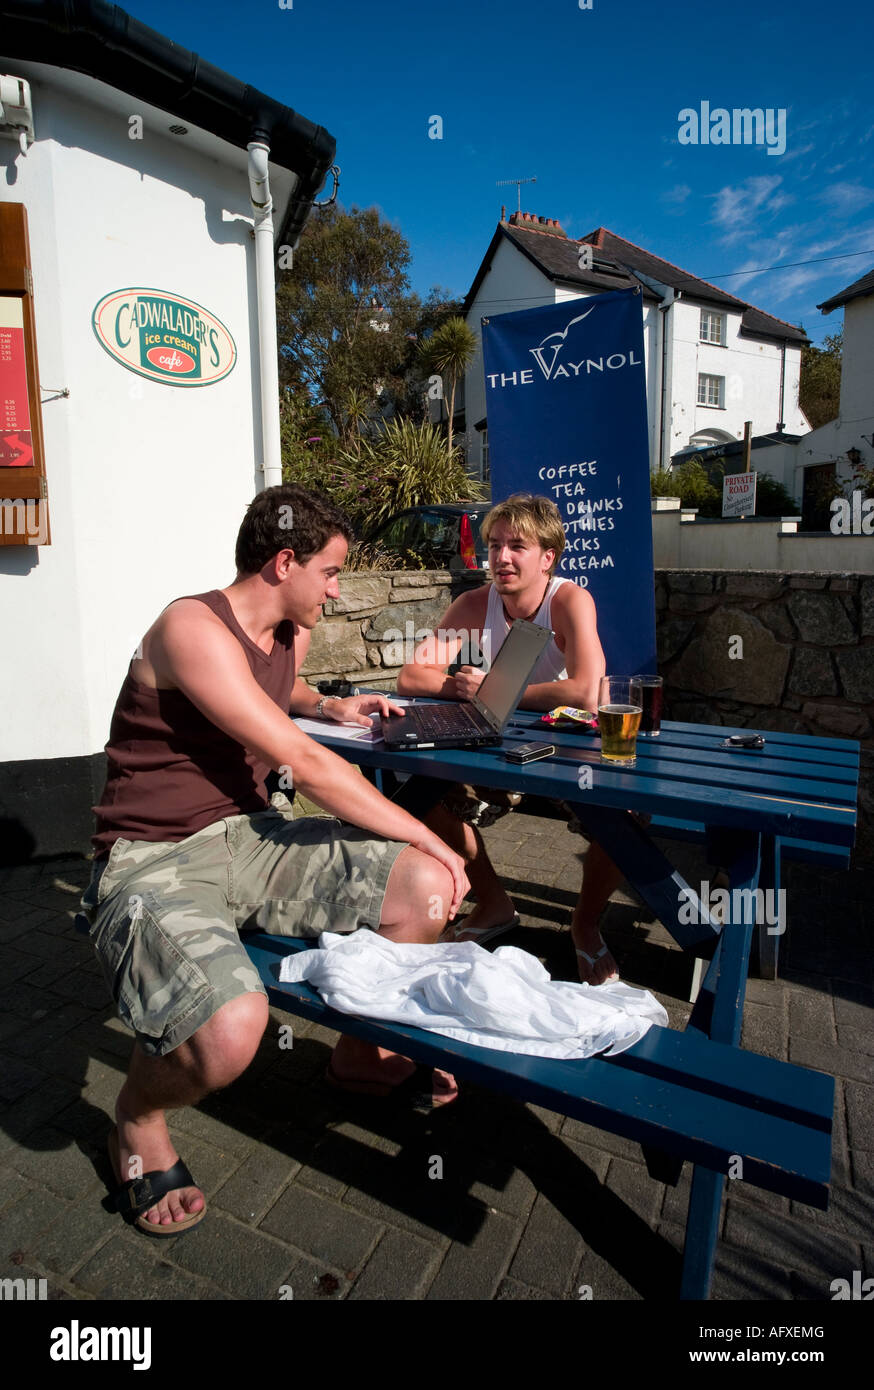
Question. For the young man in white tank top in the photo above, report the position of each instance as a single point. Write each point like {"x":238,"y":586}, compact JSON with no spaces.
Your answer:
{"x":525,"y":539}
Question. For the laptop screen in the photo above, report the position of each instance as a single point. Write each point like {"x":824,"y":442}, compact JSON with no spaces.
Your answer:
{"x":502,"y":688}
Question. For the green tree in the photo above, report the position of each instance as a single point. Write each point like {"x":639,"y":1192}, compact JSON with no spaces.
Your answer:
{"x":449,"y":351}
{"x":819,"y":391}
{"x":344,"y":312}
{"x":404,"y":464}
{"x":410,"y":400}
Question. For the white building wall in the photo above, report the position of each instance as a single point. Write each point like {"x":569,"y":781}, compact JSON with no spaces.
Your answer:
{"x":854,"y":427}
{"x":751,"y":372}
{"x":857,"y":370}
{"x":147,"y":482}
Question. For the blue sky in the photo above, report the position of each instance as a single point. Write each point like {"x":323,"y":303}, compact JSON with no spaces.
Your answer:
{"x":588,"y":101}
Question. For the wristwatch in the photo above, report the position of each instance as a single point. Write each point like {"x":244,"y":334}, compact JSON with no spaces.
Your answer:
{"x":321,"y":705}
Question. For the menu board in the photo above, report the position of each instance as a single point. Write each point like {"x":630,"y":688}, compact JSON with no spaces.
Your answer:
{"x":16,"y":439}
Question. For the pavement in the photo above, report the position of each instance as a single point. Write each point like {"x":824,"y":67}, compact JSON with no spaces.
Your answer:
{"x":315,"y":1195}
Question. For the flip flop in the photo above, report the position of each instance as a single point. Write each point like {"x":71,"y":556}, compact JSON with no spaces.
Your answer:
{"x":483,"y":934}
{"x":140,"y":1194}
{"x":590,"y":961}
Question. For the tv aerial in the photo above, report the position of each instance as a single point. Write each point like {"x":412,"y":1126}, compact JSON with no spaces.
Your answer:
{"x":501,"y":183}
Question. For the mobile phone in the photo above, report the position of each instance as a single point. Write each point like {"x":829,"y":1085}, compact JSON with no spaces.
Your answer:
{"x":529,"y":752}
{"x":744,"y":741}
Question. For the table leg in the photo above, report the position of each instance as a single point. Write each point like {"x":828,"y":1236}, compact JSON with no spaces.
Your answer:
{"x":769,"y":932}
{"x":650,"y":872}
{"x":702,"y":1231}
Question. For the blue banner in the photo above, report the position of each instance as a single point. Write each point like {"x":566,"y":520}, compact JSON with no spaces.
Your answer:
{"x":566,"y":410}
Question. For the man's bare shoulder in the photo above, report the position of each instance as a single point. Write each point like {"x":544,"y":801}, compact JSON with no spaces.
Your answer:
{"x":185,"y":632}
{"x":573,"y":603}
{"x":184,"y":611}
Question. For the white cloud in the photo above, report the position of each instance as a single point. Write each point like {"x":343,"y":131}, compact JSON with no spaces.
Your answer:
{"x":847,"y":197}
{"x":675,"y":197}
{"x":743,"y":201}
{"x":798,"y":153}
{"x":788,"y":282}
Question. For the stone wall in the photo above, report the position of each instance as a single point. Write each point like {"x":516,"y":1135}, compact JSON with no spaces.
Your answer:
{"x":804,"y":661}
{"x":369,"y":631}
{"x":759,"y":649}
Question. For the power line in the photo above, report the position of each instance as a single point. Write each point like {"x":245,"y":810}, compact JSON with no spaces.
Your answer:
{"x":790,"y":265}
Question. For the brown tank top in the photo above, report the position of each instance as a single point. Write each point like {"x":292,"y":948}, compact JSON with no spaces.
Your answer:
{"x":170,"y":770}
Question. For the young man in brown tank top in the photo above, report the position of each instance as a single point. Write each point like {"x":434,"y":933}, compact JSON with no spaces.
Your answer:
{"x":525,"y":537}
{"x":173,"y":884}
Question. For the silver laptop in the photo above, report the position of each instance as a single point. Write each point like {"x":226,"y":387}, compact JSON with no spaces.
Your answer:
{"x":469,"y":723}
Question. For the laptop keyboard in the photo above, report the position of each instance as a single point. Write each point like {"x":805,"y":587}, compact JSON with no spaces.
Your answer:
{"x":442,"y":721}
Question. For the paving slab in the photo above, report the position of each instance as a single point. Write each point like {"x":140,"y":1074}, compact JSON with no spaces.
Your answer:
{"x":400,"y":1268}
{"x":133,"y":1266}
{"x":254,"y":1186}
{"x":76,"y":1236}
{"x":790,"y":1243}
{"x":321,"y":1228}
{"x":244,"y":1263}
{"x":549,"y":1252}
{"x":473,"y":1269}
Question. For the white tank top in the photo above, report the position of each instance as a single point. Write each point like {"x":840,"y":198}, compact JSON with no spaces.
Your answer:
{"x":550,"y":664}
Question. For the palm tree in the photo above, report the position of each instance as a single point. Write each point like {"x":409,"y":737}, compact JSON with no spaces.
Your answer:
{"x":449,"y":351}
{"x":357,"y":410}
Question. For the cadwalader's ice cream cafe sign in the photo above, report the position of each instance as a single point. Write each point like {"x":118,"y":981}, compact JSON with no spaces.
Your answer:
{"x":164,"y":337}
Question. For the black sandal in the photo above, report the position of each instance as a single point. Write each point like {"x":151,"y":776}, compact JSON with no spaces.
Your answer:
{"x":140,"y":1194}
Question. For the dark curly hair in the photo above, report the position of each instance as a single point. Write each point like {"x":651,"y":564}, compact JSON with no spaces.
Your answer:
{"x":286,"y":517}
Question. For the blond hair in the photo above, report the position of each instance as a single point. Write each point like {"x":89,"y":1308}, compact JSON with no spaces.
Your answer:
{"x":536,"y":519}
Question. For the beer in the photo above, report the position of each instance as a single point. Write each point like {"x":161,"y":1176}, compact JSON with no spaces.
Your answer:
{"x":619,"y":725}
{"x":651,"y":693}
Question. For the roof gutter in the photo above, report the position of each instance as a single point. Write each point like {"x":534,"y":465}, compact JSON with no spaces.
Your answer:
{"x":103,"y":41}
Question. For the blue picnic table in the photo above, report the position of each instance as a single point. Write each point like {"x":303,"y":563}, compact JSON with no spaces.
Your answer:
{"x":693,"y":1095}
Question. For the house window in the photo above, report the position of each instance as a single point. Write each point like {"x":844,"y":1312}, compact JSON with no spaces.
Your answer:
{"x":712,"y":327}
{"x":484,"y":457}
{"x":711,"y":390}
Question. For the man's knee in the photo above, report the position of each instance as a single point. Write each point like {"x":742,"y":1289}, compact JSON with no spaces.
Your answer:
{"x":226,"y":1044}
{"x":435,"y":887}
{"x":418,"y":898}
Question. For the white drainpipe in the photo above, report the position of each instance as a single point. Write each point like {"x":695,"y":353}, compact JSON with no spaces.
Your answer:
{"x":262,"y":206}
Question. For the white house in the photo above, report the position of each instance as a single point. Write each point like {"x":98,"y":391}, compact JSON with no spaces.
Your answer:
{"x":712,"y":360}
{"x":158,"y":193}
{"x":830,"y":451}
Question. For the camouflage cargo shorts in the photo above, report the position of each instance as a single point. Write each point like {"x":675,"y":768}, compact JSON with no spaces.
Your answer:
{"x":165,"y":917}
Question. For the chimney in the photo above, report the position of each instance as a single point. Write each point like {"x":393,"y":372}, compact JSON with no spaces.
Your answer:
{"x":531,"y":220}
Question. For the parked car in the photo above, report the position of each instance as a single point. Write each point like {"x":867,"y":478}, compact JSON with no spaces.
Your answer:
{"x":445,"y":536}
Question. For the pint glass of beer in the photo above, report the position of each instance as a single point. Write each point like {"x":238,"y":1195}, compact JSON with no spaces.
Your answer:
{"x":619,"y":710}
{"x":651,"y":690}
